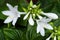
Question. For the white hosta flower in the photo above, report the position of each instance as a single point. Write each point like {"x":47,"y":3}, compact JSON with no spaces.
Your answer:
{"x":26,"y":16}
{"x":40,"y":17}
{"x":31,"y":21}
{"x":43,"y":23}
{"x":13,"y":14}
{"x":50,"y":15}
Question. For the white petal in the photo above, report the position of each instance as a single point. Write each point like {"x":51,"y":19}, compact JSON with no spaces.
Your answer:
{"x":18,"y":15}
{"x":21,"y":12}
{"x":44,"y":23}
{"x":55,"y":38}
{"x":47,"y":26}
{"x":48,"y":39}
{"x":44,"y":19}
{"x":31,"y":21}
{"x":37,"y":21}
{"x":42,"y":32}
{"x":10,"y":6}
{"x":7,"y":13}
{"x":51,"y":15}
{"x":40,"y":17}
{"x":8,"y":20}
{"x":40,"y":29}
{"x":34,"y":6}
{"x":50,"y":36}
{"x":16,"y":7}
{"x":25,"y":17}
{"x":48,"y":19}
{"x":14,"y":21}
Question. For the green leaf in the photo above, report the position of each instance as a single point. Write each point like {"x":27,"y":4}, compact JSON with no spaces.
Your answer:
{"x":1,"y":35}
{"x":12,"y":34}
{"x":1,"y":2}
{"x":31,"y":32}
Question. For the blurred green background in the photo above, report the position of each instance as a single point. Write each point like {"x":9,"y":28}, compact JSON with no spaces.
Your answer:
{"x":22,"y":31}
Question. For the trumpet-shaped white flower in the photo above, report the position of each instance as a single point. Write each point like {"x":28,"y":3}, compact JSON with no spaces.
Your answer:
{"x":40,"y":17}
{"x":43,"y":23}
{"x":33,"y":14}
{"x":13,"y":14}
{"x":25,"y":17}
{"x":31,"y":22}
{"x":50,"y":15}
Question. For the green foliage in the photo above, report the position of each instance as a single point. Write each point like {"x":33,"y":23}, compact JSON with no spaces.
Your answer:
{"x":21,"y":31}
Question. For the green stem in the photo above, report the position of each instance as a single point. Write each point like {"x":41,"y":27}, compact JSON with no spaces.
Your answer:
{"x":8,"y":25}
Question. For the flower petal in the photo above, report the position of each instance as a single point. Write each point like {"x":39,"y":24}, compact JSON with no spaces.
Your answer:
{"x":10,"y":6}
{"x":48,"y":19}
{"x":8,"y":20}
{"x":31,"y":22}
{"x":18,"y":15}
{"x":55,"y":38}
{"x":21,"y":12}
{"x":44,"y":19}
{"x":38,"y":29}
{"x":14,"y":21}
{"x":16,"y":7}
{"x":48,"y":39}
{"x":25,"y":17}
{"x":41,"y":30}
{"x":40,"y":17}
{"x":34,"y":6}
{"x":47,"y":26}
{"x":7,"y":13}
{"x":51,"y":15}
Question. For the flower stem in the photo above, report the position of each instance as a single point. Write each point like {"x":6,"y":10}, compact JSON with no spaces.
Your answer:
{"x":8,"y":25}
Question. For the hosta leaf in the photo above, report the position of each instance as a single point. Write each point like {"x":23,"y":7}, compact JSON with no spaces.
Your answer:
{"x":1,"y":2}
{"x":31,"y":32}
{"x":1,"y":35}
{"x":12,"y":33}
